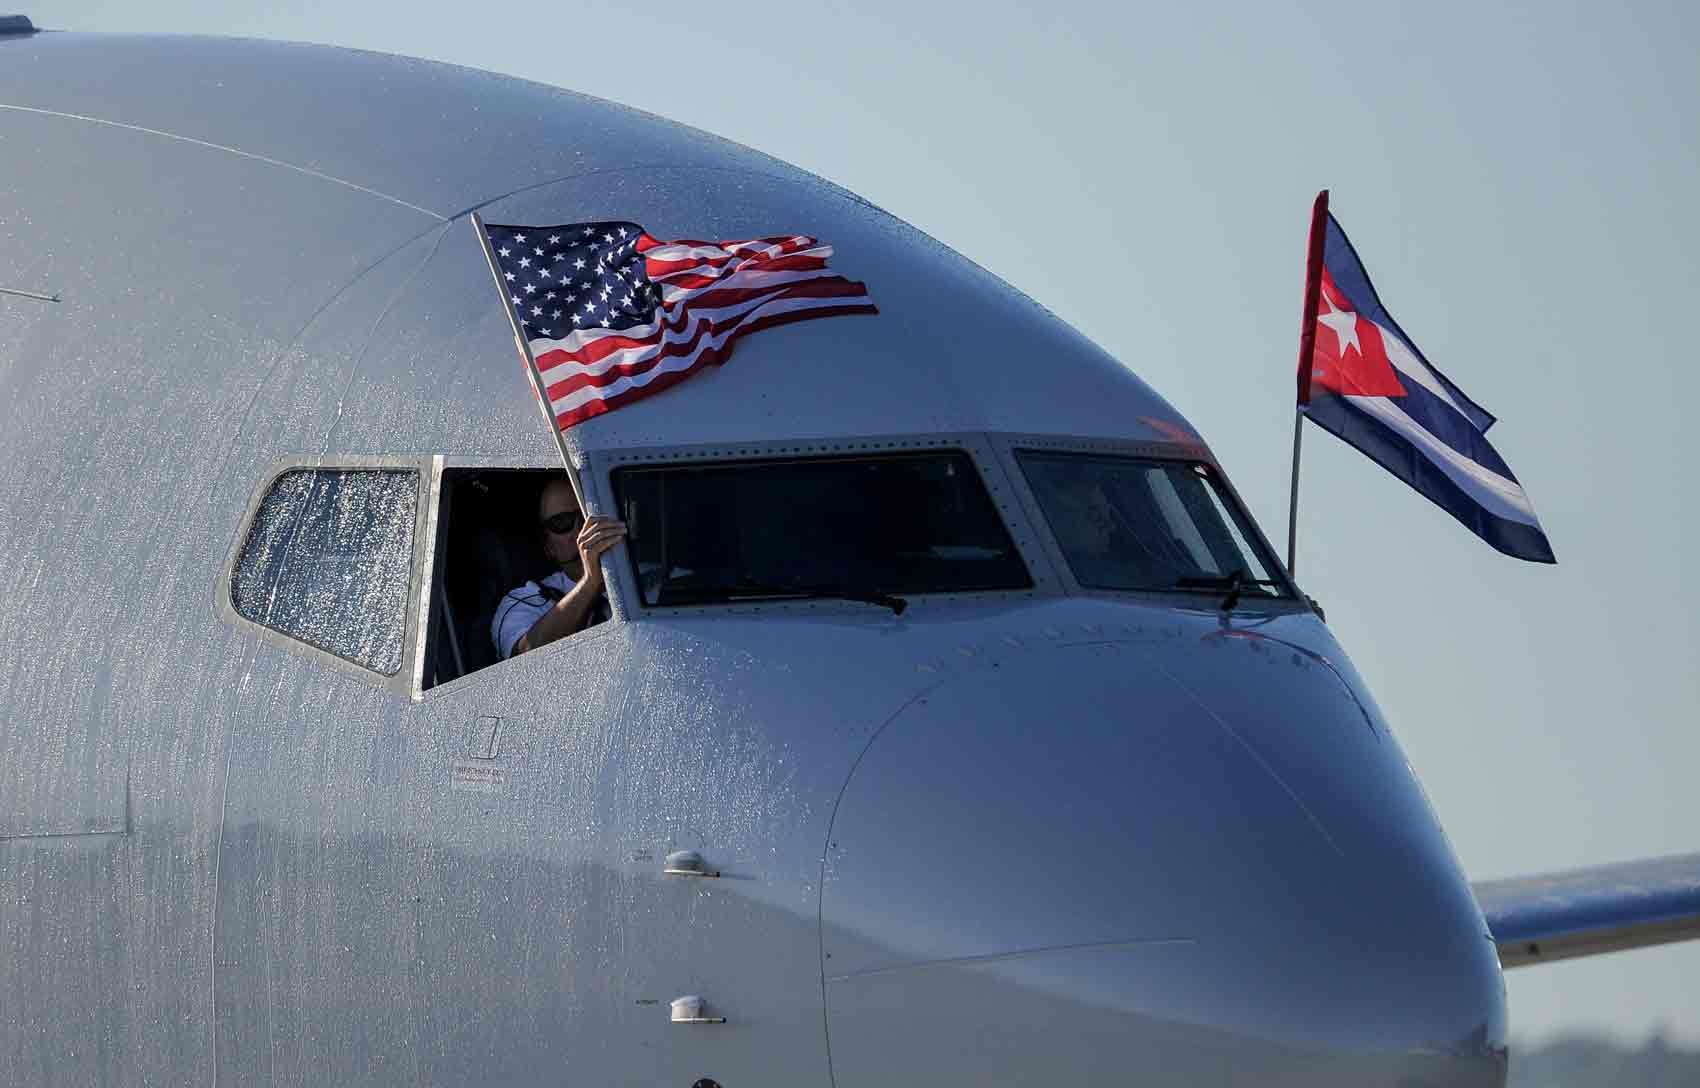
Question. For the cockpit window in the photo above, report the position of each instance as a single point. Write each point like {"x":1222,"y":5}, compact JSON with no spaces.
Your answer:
{"x":893,"y":524}
{"x":327,"y":561}
{"x":1128,"y":523}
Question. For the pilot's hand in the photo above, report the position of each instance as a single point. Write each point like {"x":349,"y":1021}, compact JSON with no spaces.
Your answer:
{"x":597,"y":536}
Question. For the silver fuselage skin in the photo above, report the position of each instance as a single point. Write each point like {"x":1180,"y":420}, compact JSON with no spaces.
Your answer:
{"x":1052,"y":836}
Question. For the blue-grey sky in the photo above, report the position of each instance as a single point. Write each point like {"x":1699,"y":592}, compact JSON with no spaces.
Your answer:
{"x":1520,"y":180}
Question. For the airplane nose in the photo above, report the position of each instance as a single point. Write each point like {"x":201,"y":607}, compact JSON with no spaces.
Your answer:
{"x":1201,"y":861}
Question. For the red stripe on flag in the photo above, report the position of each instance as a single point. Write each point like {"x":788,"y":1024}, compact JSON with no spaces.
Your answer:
{"x":691,"y":252}
{"x":688,"y":280}
{"x":676,"y":318}
{"x":592,"y":408}
{"x":1313,"y":287}
{"x":561,"y":385}
{"x":736,"y":289}
{"x":714,"y":357}
{"x":704,"y":342}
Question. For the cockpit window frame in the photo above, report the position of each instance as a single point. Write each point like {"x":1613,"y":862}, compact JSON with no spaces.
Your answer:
{"x":1010,"y":446}
{"x":404,"y":681}
{"x":433,"y":555}
{"x":978,"y":447}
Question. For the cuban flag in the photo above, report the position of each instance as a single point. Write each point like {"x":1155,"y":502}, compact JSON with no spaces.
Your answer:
{"x":1364,"y":381}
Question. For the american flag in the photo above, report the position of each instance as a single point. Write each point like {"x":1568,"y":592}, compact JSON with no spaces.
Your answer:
{"x":613,"y":315}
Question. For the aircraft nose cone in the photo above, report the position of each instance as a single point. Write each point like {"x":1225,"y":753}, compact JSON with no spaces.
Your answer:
{"x":1205,"y":860}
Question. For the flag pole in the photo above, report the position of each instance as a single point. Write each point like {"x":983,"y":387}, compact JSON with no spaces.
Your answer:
{"x":1293,"y":503}
{"x":1307,"y":352}
{"x":524,"y":347}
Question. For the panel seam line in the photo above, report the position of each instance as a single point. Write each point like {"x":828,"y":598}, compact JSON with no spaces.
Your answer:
{"x":268,"y":160}
{"x":994,"y":957}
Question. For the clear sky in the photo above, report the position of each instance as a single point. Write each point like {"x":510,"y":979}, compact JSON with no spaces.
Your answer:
{"x":1521,"y":181}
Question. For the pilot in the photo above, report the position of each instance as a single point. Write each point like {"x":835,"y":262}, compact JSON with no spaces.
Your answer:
{"x":570,"y":599}
{"x":1103,"y":549}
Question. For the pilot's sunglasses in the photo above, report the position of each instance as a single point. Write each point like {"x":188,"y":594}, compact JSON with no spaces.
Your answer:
{"x":563,"y":523}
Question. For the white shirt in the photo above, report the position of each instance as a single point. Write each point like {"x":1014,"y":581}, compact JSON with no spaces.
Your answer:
{"x":521,"y":609}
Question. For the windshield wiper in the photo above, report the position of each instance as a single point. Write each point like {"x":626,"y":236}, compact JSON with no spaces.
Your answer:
{"x":824,"y":593}
{"x":1231,"y":583}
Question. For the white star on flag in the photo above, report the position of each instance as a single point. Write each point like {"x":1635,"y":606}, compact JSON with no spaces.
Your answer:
{"x":1344,"y":323}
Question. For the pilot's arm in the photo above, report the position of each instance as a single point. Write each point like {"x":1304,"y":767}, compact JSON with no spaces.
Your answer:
{"x":567,"y":615}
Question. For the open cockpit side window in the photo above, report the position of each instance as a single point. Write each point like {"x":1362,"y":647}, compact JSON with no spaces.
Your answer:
{"x":489,"y":545}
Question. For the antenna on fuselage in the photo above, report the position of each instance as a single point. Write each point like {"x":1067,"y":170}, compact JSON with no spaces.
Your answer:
{"x":21,"y":293}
